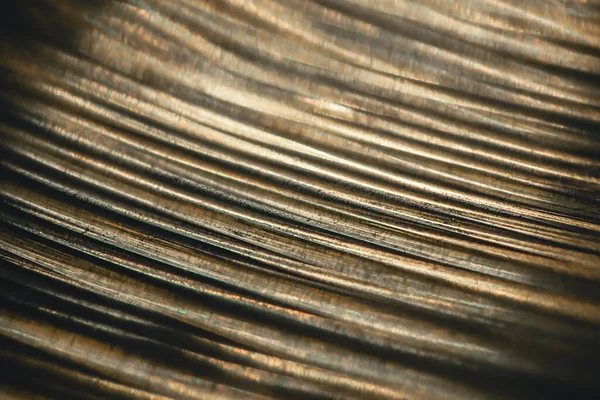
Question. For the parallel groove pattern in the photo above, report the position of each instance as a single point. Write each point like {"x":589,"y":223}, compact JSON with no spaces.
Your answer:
{"x":322,"y":199}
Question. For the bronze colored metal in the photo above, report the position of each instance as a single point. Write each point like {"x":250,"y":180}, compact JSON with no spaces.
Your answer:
{"x":230,"y":199}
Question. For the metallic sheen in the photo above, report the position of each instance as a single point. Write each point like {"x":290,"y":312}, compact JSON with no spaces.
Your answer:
{"x":358,"y":199}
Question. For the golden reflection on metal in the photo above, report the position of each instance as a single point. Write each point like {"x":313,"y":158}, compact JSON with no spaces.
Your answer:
{"x":361,"y":199}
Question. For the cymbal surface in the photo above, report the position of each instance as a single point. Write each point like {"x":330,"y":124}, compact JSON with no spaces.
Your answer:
{"x":231,"y":199}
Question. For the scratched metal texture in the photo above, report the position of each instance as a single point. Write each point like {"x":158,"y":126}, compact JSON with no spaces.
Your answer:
{"x":359,"y":199}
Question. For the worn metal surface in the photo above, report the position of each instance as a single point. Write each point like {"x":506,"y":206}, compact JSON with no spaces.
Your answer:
{"x":290,"y":199}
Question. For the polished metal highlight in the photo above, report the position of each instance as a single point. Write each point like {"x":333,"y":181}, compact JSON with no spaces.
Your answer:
{"x":355,"y":199}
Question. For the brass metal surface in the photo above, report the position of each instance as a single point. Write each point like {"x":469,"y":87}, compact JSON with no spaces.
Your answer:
{"x":350,"y":199}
